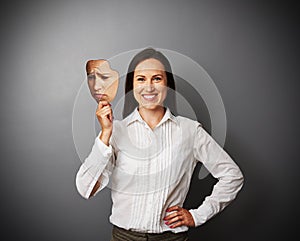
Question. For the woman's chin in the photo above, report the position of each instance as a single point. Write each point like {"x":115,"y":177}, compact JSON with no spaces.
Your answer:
{"x":104,"y":98}
{"x":151,"y":106}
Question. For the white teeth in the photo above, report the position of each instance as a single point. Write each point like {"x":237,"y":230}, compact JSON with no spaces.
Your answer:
{"x":149,"y":97}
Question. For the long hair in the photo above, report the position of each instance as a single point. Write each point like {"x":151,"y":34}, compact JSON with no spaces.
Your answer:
{"x":149,"y":53}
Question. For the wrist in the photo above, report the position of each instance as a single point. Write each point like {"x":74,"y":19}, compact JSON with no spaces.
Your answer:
{"x":105,"y":136}
{"x":106,"y":132}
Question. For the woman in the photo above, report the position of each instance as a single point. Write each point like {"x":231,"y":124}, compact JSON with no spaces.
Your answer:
{"x":149,"y":157}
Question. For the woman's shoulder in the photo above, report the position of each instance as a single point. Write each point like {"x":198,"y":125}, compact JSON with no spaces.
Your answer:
{"x":117,"y":123}
{"x":185,"y":121}
{"x":120,"y":125}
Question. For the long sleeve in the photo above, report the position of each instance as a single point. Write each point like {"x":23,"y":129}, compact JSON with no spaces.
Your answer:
{"x":222,"y":167}
{"x":96,"y":167}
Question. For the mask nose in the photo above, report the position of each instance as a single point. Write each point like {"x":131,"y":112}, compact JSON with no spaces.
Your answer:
{"x":98,"y":85}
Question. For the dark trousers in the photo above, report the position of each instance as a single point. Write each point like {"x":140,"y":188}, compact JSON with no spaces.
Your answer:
{"x":120,"y":234}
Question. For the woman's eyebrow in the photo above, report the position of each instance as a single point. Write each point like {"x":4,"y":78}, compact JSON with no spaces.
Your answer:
{"x":140,"y":75}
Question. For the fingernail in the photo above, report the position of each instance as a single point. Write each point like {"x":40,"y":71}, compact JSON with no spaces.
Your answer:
{"x":167,"y":223}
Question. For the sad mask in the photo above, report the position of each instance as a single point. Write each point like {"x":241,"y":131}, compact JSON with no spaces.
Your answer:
{"x":102,"y":80}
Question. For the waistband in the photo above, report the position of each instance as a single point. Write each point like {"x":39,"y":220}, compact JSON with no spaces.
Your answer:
{"x":119,"y":232}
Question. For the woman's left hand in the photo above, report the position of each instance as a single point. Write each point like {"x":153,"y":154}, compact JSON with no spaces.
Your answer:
{"x":181,"y":217}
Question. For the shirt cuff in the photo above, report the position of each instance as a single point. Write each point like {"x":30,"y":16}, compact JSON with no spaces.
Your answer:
{"x":93,"y":167}
{"x":200,"y":215}
{"x":105,"y":150}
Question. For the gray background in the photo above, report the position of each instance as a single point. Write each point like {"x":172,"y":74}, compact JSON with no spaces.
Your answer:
{"x":251,"y":51}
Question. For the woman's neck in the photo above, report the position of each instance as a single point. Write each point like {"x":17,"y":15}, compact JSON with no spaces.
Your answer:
{"x":152,"y":116}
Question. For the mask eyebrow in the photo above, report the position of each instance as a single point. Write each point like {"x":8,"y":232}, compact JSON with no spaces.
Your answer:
{"x":91,"y":75}
{"x":106,"y":73}
{"x":102,"y":75}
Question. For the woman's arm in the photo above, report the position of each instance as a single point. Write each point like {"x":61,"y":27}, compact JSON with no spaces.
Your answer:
{"x":93,"y":175}
{"x":222,"y":167}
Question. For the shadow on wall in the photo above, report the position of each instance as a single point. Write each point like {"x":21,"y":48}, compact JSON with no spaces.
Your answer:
{"x":191,"y":95}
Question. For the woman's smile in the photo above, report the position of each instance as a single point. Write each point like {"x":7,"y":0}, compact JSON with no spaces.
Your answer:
{"x":150,"y":97}
{"x":150,"y":84}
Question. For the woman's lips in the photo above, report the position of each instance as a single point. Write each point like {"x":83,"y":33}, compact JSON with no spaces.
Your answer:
{"x":99,"y":96}
{"x":149,"y":97}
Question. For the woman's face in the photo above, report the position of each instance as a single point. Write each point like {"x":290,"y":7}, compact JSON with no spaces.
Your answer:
{"x":102,"y":80}
{"x":150,"y":84}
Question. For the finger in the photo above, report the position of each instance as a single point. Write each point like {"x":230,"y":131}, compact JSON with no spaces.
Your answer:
{"x":103,"y":103}
{"x":172,"y":215}
{"x":104,"y":114}
{"x":173,"y":208}
{"x":174,"y":220}
{"x":110,"y":116}
{"x":100,"y":105}
{"x":104,"y":109}
{"x":178,"y":224}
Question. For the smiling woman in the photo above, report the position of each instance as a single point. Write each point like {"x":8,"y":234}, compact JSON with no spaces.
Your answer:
{"x":139,"y":72}
{"x":149,"y":158}
{"x":150,"y":87}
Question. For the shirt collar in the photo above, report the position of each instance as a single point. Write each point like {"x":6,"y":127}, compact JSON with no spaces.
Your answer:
{"x":135,"y":116}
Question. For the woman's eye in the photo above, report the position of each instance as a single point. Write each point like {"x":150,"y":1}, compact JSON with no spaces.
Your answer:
{"x":157,"y":78}
{"x":90,"y":77}
{"x":140,"y":79}
{"x":103,"y":77}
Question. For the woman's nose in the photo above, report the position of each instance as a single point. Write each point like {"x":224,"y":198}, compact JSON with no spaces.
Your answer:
{"x":98,"y":85}
{"x":149,"y":86}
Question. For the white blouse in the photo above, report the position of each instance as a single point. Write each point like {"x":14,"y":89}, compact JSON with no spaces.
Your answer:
{"x":150,"y":170}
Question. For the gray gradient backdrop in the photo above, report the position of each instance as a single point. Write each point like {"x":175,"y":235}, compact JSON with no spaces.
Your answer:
{"x":251,"y":51}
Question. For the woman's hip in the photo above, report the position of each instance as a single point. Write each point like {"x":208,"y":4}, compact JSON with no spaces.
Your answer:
{"x":120,"y":234}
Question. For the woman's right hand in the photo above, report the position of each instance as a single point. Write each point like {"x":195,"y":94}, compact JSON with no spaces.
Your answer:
{"x":105,"y":118}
